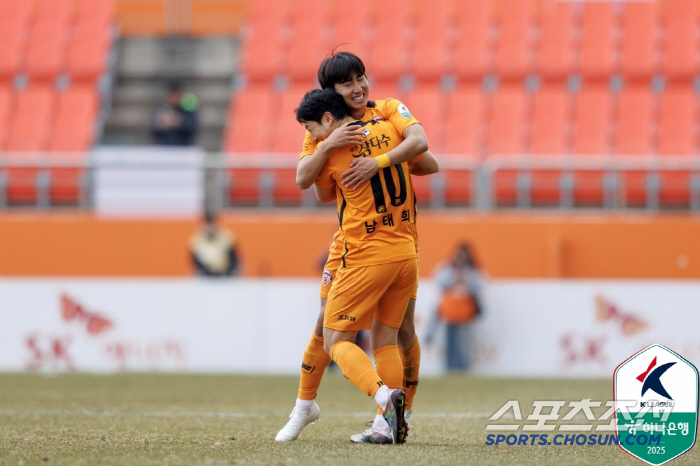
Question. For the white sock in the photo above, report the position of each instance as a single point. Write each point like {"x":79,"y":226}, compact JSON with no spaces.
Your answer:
{"x":303,"y":406}
{"x":382,"y":396}
{"x":380,"y":423}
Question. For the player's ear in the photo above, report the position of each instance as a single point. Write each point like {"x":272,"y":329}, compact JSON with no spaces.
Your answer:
{"x":328,"y":118}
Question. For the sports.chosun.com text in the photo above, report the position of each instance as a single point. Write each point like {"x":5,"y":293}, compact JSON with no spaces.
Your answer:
{"x":652,"y":441}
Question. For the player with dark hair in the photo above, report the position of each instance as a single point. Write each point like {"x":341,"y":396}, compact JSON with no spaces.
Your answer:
{"x":345,"y":73}
{"x":379,"y":266}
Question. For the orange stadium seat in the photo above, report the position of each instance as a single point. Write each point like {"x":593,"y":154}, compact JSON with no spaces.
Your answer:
{"x":597,"y":55}
{"x":101,"y":12}
{"x":288,"y":134}
{"x":677,"y":116}
{"x":633,"y":138}
{"x":32,"y":121}
{"x":385,"y":90}
{"x":514,"y":47}
{"x":473,"y":54}
{"x":351,"y":31}
{"x":46,"y":51}
{"x":676,"y":140}
{"x":244,"y":188}
{"x":388,"y":55}
{"x":88,"y":52}
{"x":430,"y":58}
{"x":310,"y":40}
{"x":265,"y":45}
{"x":426,"y":103}
{"x":249,"y":127}
{"x":459,"y":186}
{"x":555,"y":48}
{"x":75,"y":120}
{"x":640,"y":40}
{"x":506,"y":136}
{"x":507,"y":120}
{"x":593,"y":109}
{"x":549,"y":138}
{"x":464,"y":119}
{"x":6,"y":107}
{"x":12,"y":39}
{"x":680,"y":46}
{"x":59,"y":11}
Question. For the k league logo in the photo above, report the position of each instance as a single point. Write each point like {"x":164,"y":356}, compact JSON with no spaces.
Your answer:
{"x":664,"y":386}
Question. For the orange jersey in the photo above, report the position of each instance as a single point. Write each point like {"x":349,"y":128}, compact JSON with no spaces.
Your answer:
{"x":388,"y":109}
{"x":376,"y":218}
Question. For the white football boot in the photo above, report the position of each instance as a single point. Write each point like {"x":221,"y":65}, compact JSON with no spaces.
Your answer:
{"x":407,"y":415}
{"x":297,"y":422}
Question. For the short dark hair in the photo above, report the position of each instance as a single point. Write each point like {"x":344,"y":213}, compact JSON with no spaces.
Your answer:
{"x":339,"y":67}
{"x":319,"y":101}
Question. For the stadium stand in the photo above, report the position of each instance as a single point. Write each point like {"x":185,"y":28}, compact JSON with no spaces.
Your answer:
{"x":555,"y":57}
{"x":473,"y":51}
{"x":598,"y":40}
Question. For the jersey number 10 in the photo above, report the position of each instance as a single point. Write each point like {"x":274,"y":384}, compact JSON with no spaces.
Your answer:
{"x":378,"y":189}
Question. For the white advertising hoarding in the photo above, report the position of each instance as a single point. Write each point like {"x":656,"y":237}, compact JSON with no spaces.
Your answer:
{"x":529,"y":327}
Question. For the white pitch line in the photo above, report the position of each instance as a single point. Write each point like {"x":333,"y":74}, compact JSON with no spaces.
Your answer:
{"x":87,"y":413}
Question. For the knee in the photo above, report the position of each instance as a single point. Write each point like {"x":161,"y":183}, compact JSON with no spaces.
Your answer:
{"x":406,"y":335}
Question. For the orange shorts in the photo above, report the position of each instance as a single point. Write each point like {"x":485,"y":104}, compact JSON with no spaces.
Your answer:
{"x":331,"y":268}
{"x":361,"y":294}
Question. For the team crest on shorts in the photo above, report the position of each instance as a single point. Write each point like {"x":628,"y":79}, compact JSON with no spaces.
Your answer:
{"x":327,"y":277}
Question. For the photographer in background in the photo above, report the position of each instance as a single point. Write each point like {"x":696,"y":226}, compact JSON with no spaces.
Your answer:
{"x":175,"y":121}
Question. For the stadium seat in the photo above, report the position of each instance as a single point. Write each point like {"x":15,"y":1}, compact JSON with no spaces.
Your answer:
{"x":676,"y":141}
{"x":633,"y":140}
{"x":32,"y":121}
{"x":250,"y":121}
{"x":430,"y":59}
{"x":6,"y":108}
{"x":422,"y":188}
{"x":285,"y":191}
{"x":265,"y":45}
{"x":507,"y":120}
{"x":351,"y":31}
{"x":12,"y":40}
{"x":88,"y":52}
{"x":459,"y":188}
{"x":505,"y":136}
{"x":58,"y":11}
{"x":555,"y":47}
{"x":677,"y":116}
{"x":549,"y":139}
{"x":640,"y":40}
{"x":388,"y":55}
{"x":309,"y":44}
{"x":591,"y":139}
{"x":67,"y":181}
{"x":101,"y":12}
{"x":46,"y":51}
{"x":514,"y":46}
{"x":244,"y":186}
{"x":597,"y":55}
{"x":465,"y":115}
{"x":288,"y":134}
{"x":426,"y":103}
{"x":385,"y":90}
{"x":473,"y":53}
{"x":680,"y":46}
{"x":76,"y":114}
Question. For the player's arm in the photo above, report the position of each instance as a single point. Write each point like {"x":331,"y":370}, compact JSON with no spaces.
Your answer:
{"x":310,"y":166}
{"x":324,"y":185}
{"x":426,"y":165}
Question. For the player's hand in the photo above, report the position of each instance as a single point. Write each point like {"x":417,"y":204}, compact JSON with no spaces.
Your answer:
{"x":345,"y":136}
{"x":361,"y":171}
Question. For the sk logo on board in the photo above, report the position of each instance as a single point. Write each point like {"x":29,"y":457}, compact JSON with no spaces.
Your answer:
{"x":660,"y":388}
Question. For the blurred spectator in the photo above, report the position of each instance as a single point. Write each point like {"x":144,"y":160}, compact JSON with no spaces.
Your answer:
{"x":214,"y":250}
{"x":175,"y":122}
{"x":460,"y":283}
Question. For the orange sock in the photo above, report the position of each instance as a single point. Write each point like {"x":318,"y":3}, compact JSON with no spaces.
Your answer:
{"x":356,"y":367}
{"x":411,"y":364}
{"x":389,"y":367}
{"x":312,"y":368}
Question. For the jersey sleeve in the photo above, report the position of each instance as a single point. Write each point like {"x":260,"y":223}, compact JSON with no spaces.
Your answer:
{"x":325,"y":179}
{"x":397,"y":113}
{"x":309,"y":146}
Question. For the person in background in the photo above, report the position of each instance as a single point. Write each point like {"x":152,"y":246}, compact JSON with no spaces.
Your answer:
{"x":213,"y":250}
{"x":175,"y":121}
{"x":459,"y":281}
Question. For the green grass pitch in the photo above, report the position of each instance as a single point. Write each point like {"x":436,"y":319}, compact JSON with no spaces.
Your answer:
{"x":159,"y":419}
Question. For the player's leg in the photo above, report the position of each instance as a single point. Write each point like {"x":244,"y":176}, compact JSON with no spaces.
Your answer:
{"x":409,"y":349}
{"x":350,"y":308}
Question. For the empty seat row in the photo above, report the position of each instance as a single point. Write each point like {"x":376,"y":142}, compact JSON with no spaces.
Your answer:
{"x":470,"y":39}
{"x":55,"y":37}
